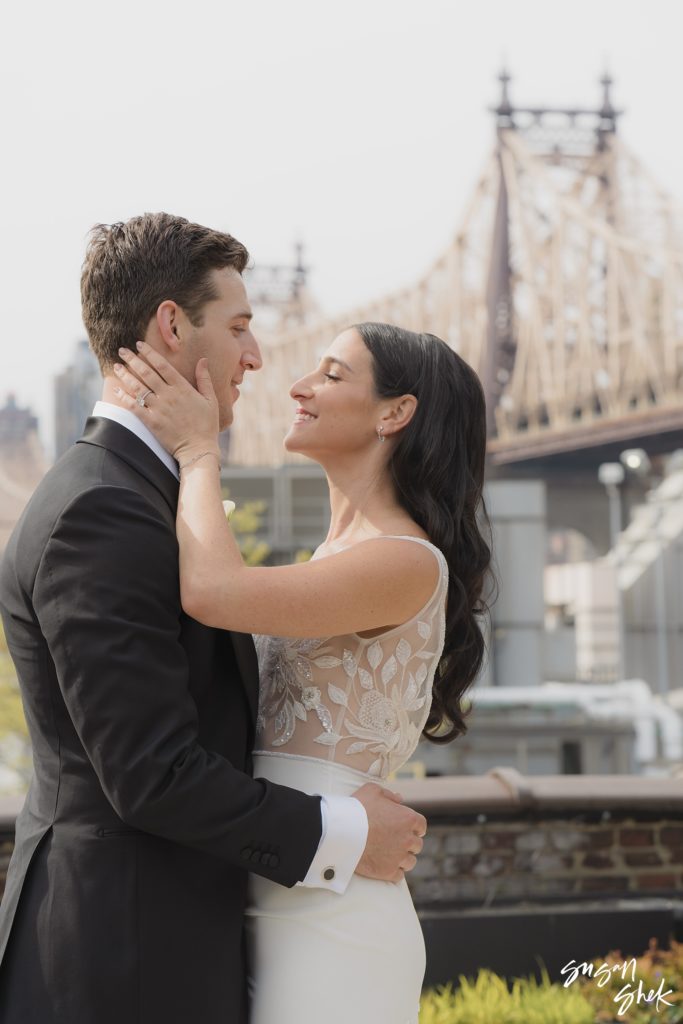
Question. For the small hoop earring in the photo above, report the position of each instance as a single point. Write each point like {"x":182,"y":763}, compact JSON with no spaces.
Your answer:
{"x":380,"y":434}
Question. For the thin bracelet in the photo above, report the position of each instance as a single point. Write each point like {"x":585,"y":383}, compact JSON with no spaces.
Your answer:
{"x":196,"y":458}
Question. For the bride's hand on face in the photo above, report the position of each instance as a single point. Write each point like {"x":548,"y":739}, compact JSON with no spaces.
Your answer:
{"x":185,"y":420}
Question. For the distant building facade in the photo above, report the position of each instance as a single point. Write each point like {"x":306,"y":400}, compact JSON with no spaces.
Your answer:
{"x":22,"y":463}
{"x":77,"y":389}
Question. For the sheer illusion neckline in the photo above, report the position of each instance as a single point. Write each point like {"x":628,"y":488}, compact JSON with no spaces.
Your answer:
{"x":443,"y":577}
{"x":348,"y":699}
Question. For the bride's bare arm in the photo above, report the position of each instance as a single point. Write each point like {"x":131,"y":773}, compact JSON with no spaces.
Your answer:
{"x":373,"y":584}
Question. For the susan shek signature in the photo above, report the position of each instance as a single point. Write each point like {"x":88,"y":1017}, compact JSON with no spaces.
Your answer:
{"x":629,"y":993}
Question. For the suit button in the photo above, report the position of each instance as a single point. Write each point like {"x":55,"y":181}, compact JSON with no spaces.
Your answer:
{"x":256,"y":857}
{"x":328,"y":874}
{"x":246,"y":853}
{"x":274,"y":860}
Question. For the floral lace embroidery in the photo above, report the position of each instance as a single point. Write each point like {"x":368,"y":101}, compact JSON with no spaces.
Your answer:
{"x":365,"y":700}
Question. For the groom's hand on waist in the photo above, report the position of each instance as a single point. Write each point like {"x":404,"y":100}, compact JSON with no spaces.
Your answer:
{"x":394,"y":834}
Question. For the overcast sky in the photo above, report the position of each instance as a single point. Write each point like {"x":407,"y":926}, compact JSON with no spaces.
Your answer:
{"x":359,"y":127}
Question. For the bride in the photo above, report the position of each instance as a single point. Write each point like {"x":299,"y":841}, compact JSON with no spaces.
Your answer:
{"x":362,"y":650}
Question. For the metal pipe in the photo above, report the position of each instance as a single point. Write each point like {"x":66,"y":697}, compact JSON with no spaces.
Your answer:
{"x":615,"y":524}
{"x":660,"y":608}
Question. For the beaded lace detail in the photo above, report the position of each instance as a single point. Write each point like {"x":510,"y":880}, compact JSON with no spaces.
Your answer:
{"x":358,"y":701}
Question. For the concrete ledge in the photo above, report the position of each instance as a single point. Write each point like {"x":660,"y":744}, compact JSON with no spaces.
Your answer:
{"x":505,"y":790}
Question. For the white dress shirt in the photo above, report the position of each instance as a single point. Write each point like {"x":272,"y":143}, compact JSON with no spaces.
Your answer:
{"x":344,"y":819}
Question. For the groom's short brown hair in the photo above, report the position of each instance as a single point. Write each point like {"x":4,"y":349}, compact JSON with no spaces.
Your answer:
{"x":131,"y":268}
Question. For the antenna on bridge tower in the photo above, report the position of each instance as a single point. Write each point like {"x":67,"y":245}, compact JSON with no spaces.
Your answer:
{"x":558,"y":127}
{"x":608,"y":114}
{"x":504,"y":108}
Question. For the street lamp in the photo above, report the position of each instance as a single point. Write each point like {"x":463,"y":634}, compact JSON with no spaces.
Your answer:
{"x":611,"y":475}
{"x":637,"y":461}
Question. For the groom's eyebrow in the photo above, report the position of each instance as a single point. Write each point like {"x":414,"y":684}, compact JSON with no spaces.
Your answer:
{"x":246,"y":315}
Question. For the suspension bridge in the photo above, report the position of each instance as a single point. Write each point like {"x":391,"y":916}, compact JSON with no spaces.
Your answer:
{"x":562,"y":287}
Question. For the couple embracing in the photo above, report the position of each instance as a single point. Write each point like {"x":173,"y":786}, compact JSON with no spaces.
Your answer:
{"x":207,"y":836}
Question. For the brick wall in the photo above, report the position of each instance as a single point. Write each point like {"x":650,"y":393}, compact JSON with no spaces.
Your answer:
{"x":544,"y":857}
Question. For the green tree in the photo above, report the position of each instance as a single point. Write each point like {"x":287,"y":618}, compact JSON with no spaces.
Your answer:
{"x":15,"y":752}
{"x":12,"y":721}
{"x":246,"y":522}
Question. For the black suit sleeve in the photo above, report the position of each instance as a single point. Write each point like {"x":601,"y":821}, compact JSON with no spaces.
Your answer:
{"x":106,"y":596}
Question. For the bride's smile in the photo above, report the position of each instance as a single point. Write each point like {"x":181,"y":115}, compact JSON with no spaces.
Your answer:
{"x":337,"y":410}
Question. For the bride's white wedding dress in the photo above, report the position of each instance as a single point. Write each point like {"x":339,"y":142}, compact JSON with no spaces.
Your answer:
{"x":336,"y":713}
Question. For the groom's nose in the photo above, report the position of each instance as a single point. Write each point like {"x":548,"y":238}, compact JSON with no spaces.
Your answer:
{"x":251,"y":356}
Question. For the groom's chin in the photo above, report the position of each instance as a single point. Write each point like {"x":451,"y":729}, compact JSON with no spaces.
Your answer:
{"x":225,"y":419}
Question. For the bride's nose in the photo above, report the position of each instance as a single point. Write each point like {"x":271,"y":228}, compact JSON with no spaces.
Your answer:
{"x":301,"y":389}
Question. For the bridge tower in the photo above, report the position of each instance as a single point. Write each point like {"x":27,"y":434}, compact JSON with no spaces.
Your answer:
{"x":575,"y":139}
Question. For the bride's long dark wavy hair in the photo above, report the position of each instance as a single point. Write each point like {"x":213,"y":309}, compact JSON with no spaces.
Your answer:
{"x":437,"y":466}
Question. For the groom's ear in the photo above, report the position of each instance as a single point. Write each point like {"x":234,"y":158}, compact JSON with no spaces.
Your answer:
{"x":167,"y":319}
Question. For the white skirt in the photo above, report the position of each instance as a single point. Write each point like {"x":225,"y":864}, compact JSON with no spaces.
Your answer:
{"x":315,"y":955}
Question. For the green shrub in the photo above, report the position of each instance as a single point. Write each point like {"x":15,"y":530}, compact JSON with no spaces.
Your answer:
{"x":656,"y":970}
{"x":490,"y":999}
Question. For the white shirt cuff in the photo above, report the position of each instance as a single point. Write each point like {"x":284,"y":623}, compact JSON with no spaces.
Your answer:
{"x":344,"y":835}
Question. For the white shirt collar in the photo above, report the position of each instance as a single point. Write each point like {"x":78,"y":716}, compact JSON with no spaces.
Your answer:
{"x":127,"y":419}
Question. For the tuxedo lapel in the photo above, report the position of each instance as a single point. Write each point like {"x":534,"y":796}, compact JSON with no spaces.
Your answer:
{"x":108,"y":434}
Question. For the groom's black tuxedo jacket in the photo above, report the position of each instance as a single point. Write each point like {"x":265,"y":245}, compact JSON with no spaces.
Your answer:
{"x":126,"y":889}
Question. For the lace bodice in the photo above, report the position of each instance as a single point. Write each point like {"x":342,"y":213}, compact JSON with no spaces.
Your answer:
{"x":358,"y":701}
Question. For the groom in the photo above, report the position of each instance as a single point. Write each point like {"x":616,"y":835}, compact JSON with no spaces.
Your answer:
{"x":125,"y":894}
